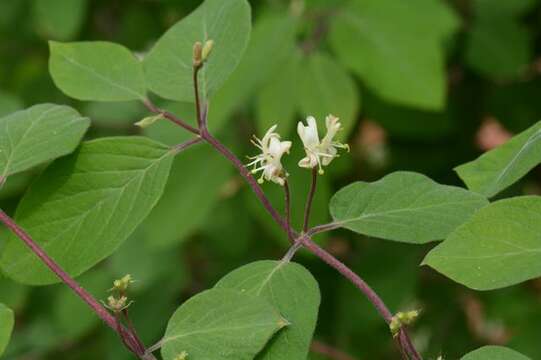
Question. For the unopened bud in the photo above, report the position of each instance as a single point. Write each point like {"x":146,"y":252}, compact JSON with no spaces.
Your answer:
{"x":117,"y":305}
{"x":207,"y":50}
{"x":121,"y":285}
{"x":401,"y":319}
{"x":149,"y":120}
{"x":197,"y":54}
{"x":182,"y":356}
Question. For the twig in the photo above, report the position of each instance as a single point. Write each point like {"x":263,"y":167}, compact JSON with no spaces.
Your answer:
{"x":309,"y":200}
{"x":103,"y":314}
{"x":183,"y":146}
{"x":166,"y":114}
{"x":322,"y":228}
{"x":287,"y":210}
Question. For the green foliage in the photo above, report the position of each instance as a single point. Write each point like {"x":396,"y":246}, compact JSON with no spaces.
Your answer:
{"x":85,"y":205}
{"x":497,"y":247}
{"x":293,"y":291}
{"x":38,"y":134}
{"x":98,"y":70}
{"x":373,"y":38}
{"x":404,"y":206}
{"x":59,"y":19}
{"x":221,"y":324}
{"x":495,"y":170}
{"x":494,"y":353}
{"x":168,"y":66}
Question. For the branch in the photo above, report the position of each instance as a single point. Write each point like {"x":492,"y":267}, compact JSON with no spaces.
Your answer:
{"x":309,"y":200}
{"x":131,"y":342}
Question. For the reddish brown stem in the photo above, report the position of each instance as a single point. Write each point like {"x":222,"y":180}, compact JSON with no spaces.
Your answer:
{"x":287,"y":211}
{"x":131,"y":342}
{"x":321,"y":348}
{"x":309,"y":200}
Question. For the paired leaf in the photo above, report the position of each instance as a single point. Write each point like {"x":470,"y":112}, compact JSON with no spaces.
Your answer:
{"x":293,"y":291}
{"x":499,"y":168}
{"x":85,"y":205}
{"x":380,"y":41}
{"x":326,"y":88}
{"x":38,"y":134}
{"x":404,"y":206}
{"x":494,"y":353}
{"x":7,"y":320}
{"x":221,"y":324}
{"x":97,"y":70}
{"x":499,"y":246}
{"x":168,"y":66}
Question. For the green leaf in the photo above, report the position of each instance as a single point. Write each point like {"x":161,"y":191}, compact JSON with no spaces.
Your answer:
{"x":326,"y":88}
{"x":499,"y":246}
{"x":7,"y":320}
{"x":221,"y":324}
{"x":371,"y":35}
{"x":499,"y":168}
{"x":59,"y":19}
{"x":499,"y":48}
{"x":293,"y":291}
{"x":38,"y":134}
{"x":494,"y":353}
{"x":85,"y":205}
{"x":96,"y":70}
{"x":168,"y":66}
{"x":404,"y":206}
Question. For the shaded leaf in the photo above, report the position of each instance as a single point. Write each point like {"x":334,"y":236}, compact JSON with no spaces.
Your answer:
{"x":493,"y":352}
{"x":38,"y":134}
{"x":85,"y":205}
{"x":293,"y":291}
{"x":221,"y":324}
{"x":96,"y":70}
{"x":168,"y":66}
{"x":499,"y":246}
{"x":499,"y":168}
{"x":404,"y":206}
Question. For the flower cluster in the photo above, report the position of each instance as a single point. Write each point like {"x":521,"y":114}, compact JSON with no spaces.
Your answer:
{"x":319,"y":153}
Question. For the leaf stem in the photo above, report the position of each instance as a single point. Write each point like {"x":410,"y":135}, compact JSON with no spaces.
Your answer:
{"x":104,"y":315}
{"x":309,"y":200}
{"x":183,"y":146}
{"x":322,"y":228}
{"x":166,"y":114}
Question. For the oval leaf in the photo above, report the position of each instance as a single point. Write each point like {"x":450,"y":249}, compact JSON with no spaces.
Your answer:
{"x":404,"y":206}
{"x":499,"y":168}
{"x":96,"y":70}
{"x":293,"y":291}
{"x":85,"y":205}
{"x":168,"y":66}
{"x":494,"y":353}
{"x":499,"y":246}
{"x":38,"y":134}
{"x":7,"y":320}
{"x":221,"y":324}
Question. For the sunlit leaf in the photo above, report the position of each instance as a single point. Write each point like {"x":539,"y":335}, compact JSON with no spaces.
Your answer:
{"x":221,"y":324}
{"x":7,"y":320}
{"x":493,"y":352}
{"x":404,"y":206}
{"x":499,"y":246}
{"x":293,"y":291}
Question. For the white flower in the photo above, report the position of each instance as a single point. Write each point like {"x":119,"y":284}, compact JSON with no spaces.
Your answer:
{"x":319,"y":153}
{"x":269,"y":161}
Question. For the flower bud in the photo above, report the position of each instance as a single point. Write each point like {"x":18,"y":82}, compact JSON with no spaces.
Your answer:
{"x":148,"y":121}
{"x":207,"y":50}
{"x":197,"y":54}
{"x":182,"y":356}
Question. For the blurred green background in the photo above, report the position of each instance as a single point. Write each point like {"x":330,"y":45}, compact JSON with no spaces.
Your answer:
{"x":422,"y":85}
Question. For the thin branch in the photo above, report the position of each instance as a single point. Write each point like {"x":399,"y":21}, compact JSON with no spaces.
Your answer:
{"x":103,"y":314}
{"x":183,"y":146}
{"x":324,"y":349}
{"x":322,"y":228}
{"x":287,"y":211}
{"x":309,"y":200}
{"x":169,"y":116}
{"x":133,"y":331}
{"x":200,"y":121}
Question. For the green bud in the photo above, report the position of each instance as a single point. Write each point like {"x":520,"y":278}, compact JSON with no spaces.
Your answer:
{"x":197,"y":54}
{"x":182,"y":356}
{"x":401,"y":319}
{"x":207,"y":49}
{"x":149,"y":120}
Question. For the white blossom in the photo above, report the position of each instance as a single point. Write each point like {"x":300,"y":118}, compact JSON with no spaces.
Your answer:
{"x":319,"y":153}
{"x":269,"y":161}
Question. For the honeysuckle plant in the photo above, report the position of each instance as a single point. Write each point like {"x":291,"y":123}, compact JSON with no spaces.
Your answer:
{"x":95,"y":193}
